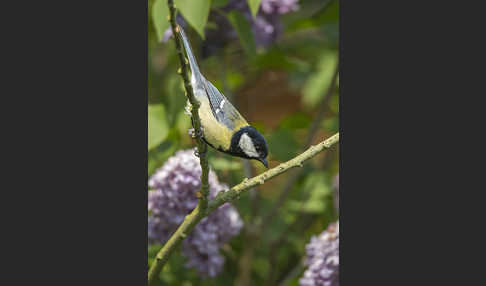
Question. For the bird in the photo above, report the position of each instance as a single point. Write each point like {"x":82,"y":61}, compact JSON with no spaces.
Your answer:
{"x":223,"y":127}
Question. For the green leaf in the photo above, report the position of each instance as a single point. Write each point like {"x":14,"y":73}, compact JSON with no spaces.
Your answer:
{"x":157,"y":125}
{"x":195,"y":12}
{"x":254,"y":5}
{"x":319,"y":82}
{"x":243,"y":29}
{"x":160,"y":12}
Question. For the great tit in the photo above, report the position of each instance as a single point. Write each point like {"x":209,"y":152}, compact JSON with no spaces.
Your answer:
{"x":223,"y":127}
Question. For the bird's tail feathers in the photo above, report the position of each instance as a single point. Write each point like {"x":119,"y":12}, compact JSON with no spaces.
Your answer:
{"x":192,"y":60}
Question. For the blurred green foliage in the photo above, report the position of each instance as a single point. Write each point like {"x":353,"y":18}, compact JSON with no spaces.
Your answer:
{"x":317,"y":83}
{"x":243,"y":29}
{"x":157,"y":125}
{"x":278,"y":90}
{"x":160,"y":10}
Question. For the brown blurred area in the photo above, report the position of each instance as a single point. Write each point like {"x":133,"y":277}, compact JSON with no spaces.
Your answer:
{"x":269,"y":99}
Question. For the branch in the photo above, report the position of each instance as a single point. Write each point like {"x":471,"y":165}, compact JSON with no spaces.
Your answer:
{"x":235,"y":192}
{"x":198,"y":213}
{"x":162,"y":256}
{"x":223,"y":197}
{"x":204,"y":208}
{"x":183,"y":71}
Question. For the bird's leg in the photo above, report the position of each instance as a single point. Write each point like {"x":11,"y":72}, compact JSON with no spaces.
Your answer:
{"x":196,"y":134}
{"x":192,"y":133}
{"x":200,"y":132}
{"x":196,"y":152}
{"x":205,"y":149}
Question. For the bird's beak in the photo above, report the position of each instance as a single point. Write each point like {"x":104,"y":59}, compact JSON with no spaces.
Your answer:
{"x":264,"y":162}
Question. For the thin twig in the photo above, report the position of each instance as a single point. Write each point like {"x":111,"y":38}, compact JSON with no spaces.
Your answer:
{"x":203,"y":194}
{"x":223,"y":197}
{"x":201,"y":145}
{"x":236,"y":191}
{"x":204,"y":207}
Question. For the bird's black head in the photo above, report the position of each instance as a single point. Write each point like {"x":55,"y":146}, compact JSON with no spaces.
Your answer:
{"x":248,"y":143}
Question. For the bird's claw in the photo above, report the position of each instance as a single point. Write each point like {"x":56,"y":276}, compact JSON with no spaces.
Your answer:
{"x":196,"y":152}
{"x":192,"y":133}
{"x":195,"y":134}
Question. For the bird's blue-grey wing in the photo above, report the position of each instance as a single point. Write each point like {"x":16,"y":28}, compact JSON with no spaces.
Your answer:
{"x":222,"y":109}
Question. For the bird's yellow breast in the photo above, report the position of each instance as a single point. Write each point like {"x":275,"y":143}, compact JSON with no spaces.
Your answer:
{"x":216,"y":133}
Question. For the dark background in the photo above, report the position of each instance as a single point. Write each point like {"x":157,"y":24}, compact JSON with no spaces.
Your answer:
{"x":76,"y":136}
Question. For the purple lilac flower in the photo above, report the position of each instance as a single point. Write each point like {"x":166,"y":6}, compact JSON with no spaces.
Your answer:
{"x":279,"y":6}
{"x":266,"y":25}
{"x":174,"y":196}
{"x":322,"y":259}
{"x":202,"y":248}
{"x":266,"y":29}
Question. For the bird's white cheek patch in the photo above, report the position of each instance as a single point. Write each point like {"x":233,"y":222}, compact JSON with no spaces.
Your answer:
{"x":247,"y":146}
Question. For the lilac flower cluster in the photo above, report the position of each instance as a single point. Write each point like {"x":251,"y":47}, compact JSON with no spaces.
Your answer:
{"x":323,"y":259}
{"x":279,"y":6}
{"x":266,"y":25}
{"x":173,"y":196}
